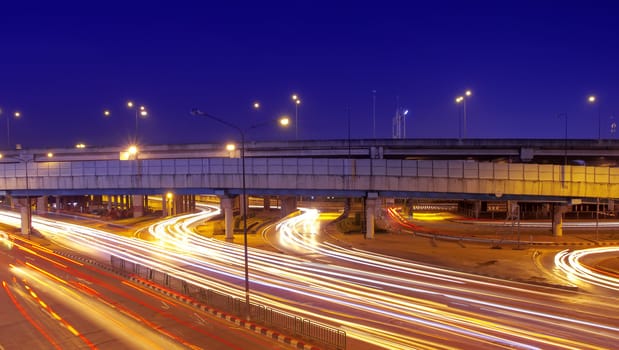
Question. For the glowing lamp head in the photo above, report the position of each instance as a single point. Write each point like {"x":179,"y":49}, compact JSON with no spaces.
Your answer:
{"x":17,"y":114}
{"x":256,"y":105}
{"x":230,"y":147}
{"x":591,"y":99}
{"x":50,"y":154}
{"x":284,"y":121}
{"x":468,"y":93}
{"x":130,"y":104}
{"x":133,"y":150}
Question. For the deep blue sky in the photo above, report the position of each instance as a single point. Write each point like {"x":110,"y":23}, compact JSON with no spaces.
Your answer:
{"x":525,"y":61}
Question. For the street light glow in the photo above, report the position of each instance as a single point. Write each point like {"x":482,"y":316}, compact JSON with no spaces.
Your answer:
{"x":256,"y":105}
{"x":106,"y":112}
{"x":230,"y":147}
{"x":130,"y":104}
{"x":284,"y":121}
{"x":80,"y":145}
{"x":50,"y":154}
{"x":17,"y":114}
{"x":591,"y":99}
{"x":295,"y":97}
{"x":132,"y":150}
{"x":459,"y":99}
{"x":468,"y":93}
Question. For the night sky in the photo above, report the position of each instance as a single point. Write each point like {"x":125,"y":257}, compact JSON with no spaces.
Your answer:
{"x":525,"y":62}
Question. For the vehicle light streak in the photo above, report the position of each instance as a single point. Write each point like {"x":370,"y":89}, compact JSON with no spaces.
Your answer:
{"x":570,"y":262}
{"x":362,"y":291}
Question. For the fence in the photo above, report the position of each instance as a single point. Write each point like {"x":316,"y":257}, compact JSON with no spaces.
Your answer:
{"x":329,"y":337}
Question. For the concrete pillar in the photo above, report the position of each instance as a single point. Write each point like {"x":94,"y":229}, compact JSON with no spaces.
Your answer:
{"x":226,"y":206}
{"x":192,"y":203}
{"x":266,"y":202}
{"x":10,"y":201}
{"x":164,"y":205}
{"x":58,"y":203}
{"x":41,"y":204}
{"x":138,"y":206}
{"x":476,"y":209}
{"x":25,"y":219}
{"x":557,"y":219}
{"x":371,"y":203}
{"x":242,"y":199}
{"x":178,"y":205}
{"x":288,"y":205}
{"x":109,"y":203}
{"x":145,"y":204}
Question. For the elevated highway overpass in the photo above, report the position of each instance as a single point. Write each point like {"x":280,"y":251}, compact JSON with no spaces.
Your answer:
{"x":524,"y":170}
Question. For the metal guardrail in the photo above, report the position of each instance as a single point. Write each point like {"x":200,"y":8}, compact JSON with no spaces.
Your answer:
{"x":316,"y":332}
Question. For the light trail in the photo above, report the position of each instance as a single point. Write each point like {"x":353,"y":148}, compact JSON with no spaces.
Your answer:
{"x":388,"y":302}
{"x":571,"y":263}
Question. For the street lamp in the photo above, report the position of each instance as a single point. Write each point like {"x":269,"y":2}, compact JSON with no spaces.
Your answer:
{"x":284,"y":121}
{"x":462,"y":99}
{"x":139,"y":112}
{"x":593,"y":100}
{"x":297,"y":101}
{"x":16,"y":115}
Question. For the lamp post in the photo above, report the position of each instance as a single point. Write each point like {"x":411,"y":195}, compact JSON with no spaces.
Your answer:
{"x":462,"y":99}
{"x":593,"y":100}
{"x":139,"y":112}
{"x":284,"y":121}
{"x":15,"y":115}
{"x":564,"y":114}
{"x":374,"y":114}
{"x":297,"y":101}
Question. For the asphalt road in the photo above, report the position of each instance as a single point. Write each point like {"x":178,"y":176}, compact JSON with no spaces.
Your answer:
{"x":50,"y":301}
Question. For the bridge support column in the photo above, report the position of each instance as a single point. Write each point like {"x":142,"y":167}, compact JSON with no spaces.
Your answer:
{"x":266,"y":203}
{"x":26,"y":216}
{"x":288,"y":205}
{"x":192,"y":203}
{"x":41,"y":204}
{"x":557,"y":219}
{"x":138,"y":206}
{"x":226,"y":205}
{"x":164,"y":204}
{"x":371,"y":203}
{"x":476,"y":209}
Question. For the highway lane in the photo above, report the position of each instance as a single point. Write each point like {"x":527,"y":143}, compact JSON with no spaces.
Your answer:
{"x":379,"y":300}
{"x":50,"y":301}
